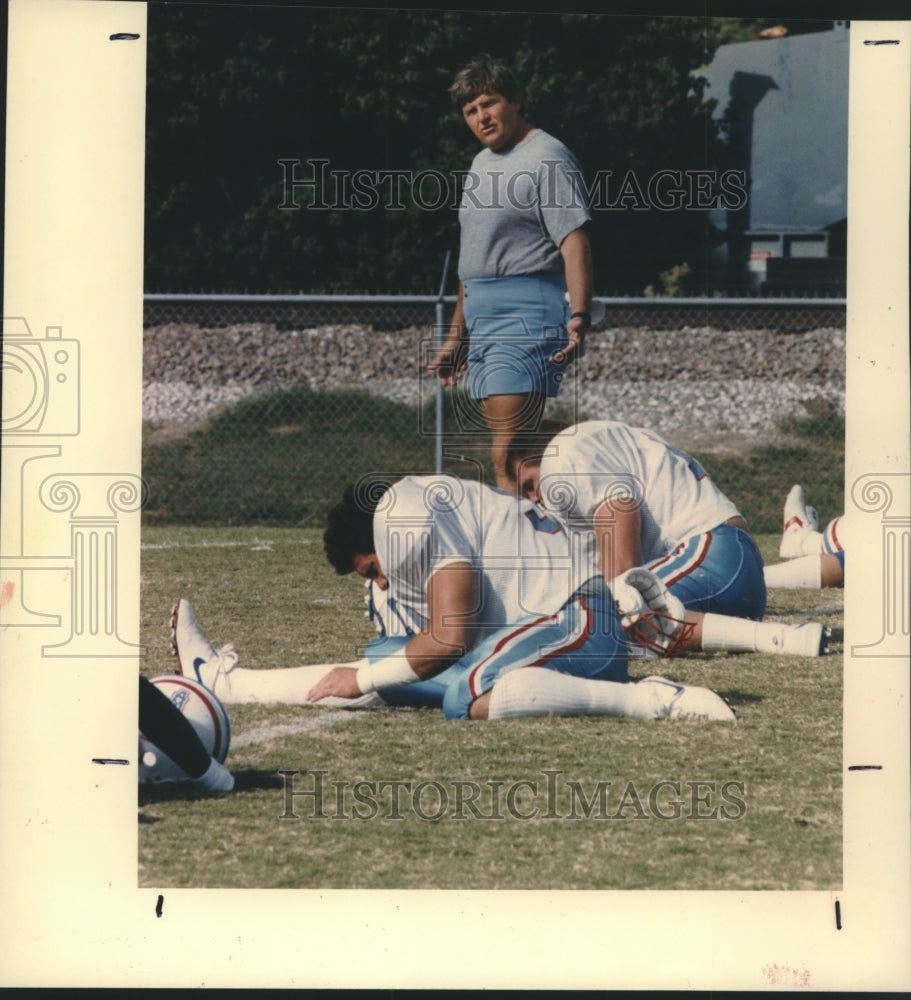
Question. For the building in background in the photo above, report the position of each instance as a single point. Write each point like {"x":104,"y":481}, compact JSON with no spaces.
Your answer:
{"x":784,"y":102}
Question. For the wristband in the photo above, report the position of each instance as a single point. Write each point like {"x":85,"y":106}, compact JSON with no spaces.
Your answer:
{"x":387,"y":672}
{"x":584,"y":315}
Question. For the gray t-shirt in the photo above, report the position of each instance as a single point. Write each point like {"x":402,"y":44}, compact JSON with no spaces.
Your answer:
{"x":518,"y":206}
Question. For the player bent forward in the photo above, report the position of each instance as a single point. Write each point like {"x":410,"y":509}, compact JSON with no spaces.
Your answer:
{"x":493,"y":591}
{"x":629,"y":498}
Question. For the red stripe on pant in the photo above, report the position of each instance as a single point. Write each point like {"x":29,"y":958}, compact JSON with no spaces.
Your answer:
{"x":575,"y":643}
{"x":695,"y":561}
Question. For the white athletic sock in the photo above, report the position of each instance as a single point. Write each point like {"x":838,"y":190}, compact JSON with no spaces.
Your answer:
{"x":537,"y":691}
{"x":731,"y":634}
{"x":743,"y":635}
{"x":802,"y":572}
{"x":811,"y":543}
{"x":285,"y":685}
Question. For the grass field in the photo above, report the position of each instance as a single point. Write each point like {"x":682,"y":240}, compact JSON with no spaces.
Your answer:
{"x":283,"y":457}
{"x":410,"y":801}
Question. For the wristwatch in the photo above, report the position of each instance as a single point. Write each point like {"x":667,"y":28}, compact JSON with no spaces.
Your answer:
{"x":584,"y":315}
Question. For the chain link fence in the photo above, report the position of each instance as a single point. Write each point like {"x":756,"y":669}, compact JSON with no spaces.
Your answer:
{"x":260,"y":409}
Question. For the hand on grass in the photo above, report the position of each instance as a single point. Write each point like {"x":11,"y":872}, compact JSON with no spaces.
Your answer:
{"x":340,"y":682}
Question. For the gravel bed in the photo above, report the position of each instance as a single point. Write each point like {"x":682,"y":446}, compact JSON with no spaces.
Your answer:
{"x":703,"y":380}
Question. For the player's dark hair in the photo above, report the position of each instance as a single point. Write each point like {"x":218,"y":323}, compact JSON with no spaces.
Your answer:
{"x":532,"y":444}
{"x":350,"y":529}
{"x":484,"y":75}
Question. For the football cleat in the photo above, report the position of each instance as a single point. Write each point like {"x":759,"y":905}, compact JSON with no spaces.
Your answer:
{"x":682,"y":701}
{"x":197,"y":658}
{"x":799,"y":522}
{"x":807,"y":639}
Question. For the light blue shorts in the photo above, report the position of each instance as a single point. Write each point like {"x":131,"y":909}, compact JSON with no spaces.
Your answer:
{"x":514,"y":326}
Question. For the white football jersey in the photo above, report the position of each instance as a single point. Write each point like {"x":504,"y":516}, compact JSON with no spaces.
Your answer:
{"x":523,"y":558}
{"x":605,"y":459}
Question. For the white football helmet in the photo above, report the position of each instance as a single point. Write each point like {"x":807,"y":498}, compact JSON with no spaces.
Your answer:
{"x":205,"y":713}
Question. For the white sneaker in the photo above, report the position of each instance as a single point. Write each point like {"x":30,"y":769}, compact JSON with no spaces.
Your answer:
{"x":681,"y":701}
{"x":196,"y":656}
{"x":799,"y":520}
{"x":807,"y":639}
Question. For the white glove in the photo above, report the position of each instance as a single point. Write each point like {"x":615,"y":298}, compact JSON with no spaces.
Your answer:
{"x":631,"y":602}
{"x":650,"y":614}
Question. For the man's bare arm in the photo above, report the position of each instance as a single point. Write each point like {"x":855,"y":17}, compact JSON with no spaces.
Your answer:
{"x":617,"y":524}
{"x":452,"y":597}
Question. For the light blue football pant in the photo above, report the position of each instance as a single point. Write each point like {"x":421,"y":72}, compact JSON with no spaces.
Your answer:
{"x":584,"y":638}
{"x":719,"y":571}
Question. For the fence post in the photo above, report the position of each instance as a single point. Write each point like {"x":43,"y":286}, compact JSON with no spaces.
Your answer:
{"x":440,"y":307}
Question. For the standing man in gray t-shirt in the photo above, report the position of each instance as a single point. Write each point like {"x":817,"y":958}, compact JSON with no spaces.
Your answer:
{"x":525,"y":270}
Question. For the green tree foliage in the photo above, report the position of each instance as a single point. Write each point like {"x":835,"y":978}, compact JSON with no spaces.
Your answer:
{"x":235,"y":91}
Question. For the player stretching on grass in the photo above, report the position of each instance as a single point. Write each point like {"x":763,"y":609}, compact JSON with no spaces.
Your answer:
{"x":450,"y":563}
{"x":628,"y":498}
{"x":491,"y":586}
